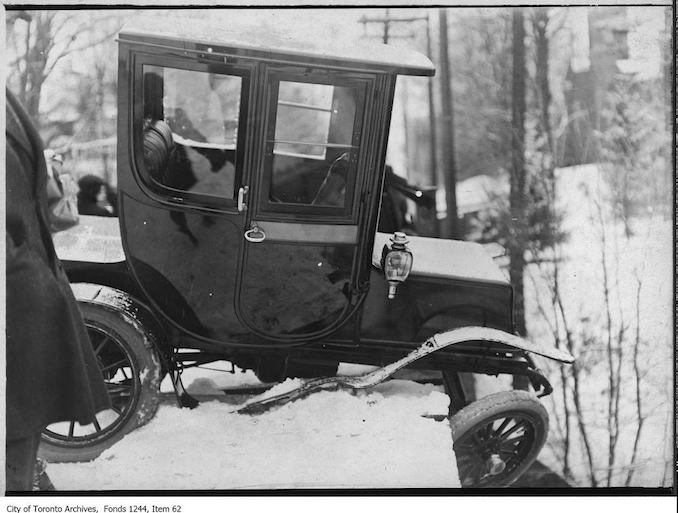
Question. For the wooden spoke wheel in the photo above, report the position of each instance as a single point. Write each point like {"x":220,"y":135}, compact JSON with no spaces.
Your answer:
{"x":497,"y":438}
{"x":131,"y":371}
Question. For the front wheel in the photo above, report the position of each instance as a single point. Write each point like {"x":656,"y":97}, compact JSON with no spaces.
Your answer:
{"x":497,"y":438}
{"x":131,"y":370}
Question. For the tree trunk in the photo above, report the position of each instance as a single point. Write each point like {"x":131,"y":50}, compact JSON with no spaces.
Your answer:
{"x":39,"y":44}
{"x":541,"y":39}
{"x":517,"y":242}
{"x":451,"y":229}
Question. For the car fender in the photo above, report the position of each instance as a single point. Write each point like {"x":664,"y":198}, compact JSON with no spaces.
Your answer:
{"x":457,"y":336}
{"x":480,"y":333}
{"x":130,"y":308}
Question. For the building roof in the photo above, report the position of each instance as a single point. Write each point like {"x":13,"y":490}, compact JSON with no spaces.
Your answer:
{"x":275,"y":45}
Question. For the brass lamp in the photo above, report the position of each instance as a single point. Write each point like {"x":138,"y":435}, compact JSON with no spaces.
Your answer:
{"x":396,"y":262}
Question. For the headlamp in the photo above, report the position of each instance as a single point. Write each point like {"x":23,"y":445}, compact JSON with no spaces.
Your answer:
{"x":396,"y":262}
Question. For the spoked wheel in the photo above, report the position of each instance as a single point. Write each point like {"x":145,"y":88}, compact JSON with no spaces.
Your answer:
{"x":497,"y":438}
{"x":131,"y":371}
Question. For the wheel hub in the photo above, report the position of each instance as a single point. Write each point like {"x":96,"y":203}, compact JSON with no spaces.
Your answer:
{"x":495,"y":465}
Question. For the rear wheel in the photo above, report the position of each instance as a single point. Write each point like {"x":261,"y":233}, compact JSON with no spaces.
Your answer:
{"x":497,"y":438}
{"x":131,"y":370}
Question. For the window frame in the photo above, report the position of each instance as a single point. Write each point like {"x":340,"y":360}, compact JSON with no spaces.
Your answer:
{"x":147,"y":183}
{"x":323,"y":213}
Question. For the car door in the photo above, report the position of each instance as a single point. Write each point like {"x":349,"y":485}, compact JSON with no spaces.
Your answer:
{"x":298,"y":277}
{"x":182,"y":173}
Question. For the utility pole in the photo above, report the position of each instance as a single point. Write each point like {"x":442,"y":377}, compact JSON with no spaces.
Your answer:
{"x":387,"y":22}
{"x":433,"y":146}
{"x":451,"y":230}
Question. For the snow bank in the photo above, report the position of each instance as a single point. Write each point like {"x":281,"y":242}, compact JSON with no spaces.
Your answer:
{"x":330,"y":439}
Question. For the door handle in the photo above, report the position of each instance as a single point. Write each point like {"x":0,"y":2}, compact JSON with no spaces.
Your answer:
{"x":255,"y":234}
{"x":241,"y":198}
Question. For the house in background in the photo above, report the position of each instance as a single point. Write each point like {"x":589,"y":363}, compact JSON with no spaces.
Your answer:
{"x":606,"y":42}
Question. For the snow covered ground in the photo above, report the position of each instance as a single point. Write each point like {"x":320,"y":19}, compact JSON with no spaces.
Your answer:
{"x":640,"y":316}
{"x":375,"y":439}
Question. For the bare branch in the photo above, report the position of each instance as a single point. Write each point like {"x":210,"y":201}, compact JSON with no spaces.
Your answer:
{"x":576,"y":391}
{"x":567,"y":472}
{"x":80,"y":48}
{"x":65,"y":20}
{"x":636,"y":372}
{"x":557,"y":19}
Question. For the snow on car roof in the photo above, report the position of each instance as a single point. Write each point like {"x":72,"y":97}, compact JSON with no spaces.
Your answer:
{"x":251,"y":41}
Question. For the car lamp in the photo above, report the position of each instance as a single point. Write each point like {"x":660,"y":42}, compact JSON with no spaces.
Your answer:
{"x":396,"y":262}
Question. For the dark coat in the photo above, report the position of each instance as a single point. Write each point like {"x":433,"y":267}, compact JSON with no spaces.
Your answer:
{"x":52,"y":374}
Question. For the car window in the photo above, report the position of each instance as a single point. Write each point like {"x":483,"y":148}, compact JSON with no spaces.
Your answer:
{"x":303,"y":121}
{"x":313,"y":150}
{"x":191,"y":126}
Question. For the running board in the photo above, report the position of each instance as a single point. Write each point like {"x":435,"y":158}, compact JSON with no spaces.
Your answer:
{"x":434,"y":343}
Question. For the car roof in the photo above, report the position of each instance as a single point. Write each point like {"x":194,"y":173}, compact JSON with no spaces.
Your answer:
{"x":274,"y":45}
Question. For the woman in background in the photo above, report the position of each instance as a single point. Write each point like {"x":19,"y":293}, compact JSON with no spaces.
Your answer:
{"x":93,"y":193}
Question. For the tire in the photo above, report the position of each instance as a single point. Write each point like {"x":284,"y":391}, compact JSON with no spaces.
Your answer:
{"x":131,"y":369}
{"x":497,"y":438}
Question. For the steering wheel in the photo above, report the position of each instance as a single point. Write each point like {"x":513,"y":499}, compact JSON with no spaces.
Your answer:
{"x":332,"y":190}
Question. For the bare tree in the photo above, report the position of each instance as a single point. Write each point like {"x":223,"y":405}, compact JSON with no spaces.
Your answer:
{"x":545,"y":178}
{"x":39,"y":45}
{"x":640,"y":415}
{"x":517,"y":241}
{"x":559,"y":321}
{"x":614,"y":348}
{"x":635,"y":145}
{"x":480,"y":52}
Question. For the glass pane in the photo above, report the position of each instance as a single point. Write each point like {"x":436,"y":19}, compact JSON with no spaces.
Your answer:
{"x":313,"y":143}
{"x":304,"y":114}
{"x":191,"y":129}
{"x":203,"y":107}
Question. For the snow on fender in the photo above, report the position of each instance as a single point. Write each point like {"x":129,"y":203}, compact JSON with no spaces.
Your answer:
{"x":132,"y":312}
